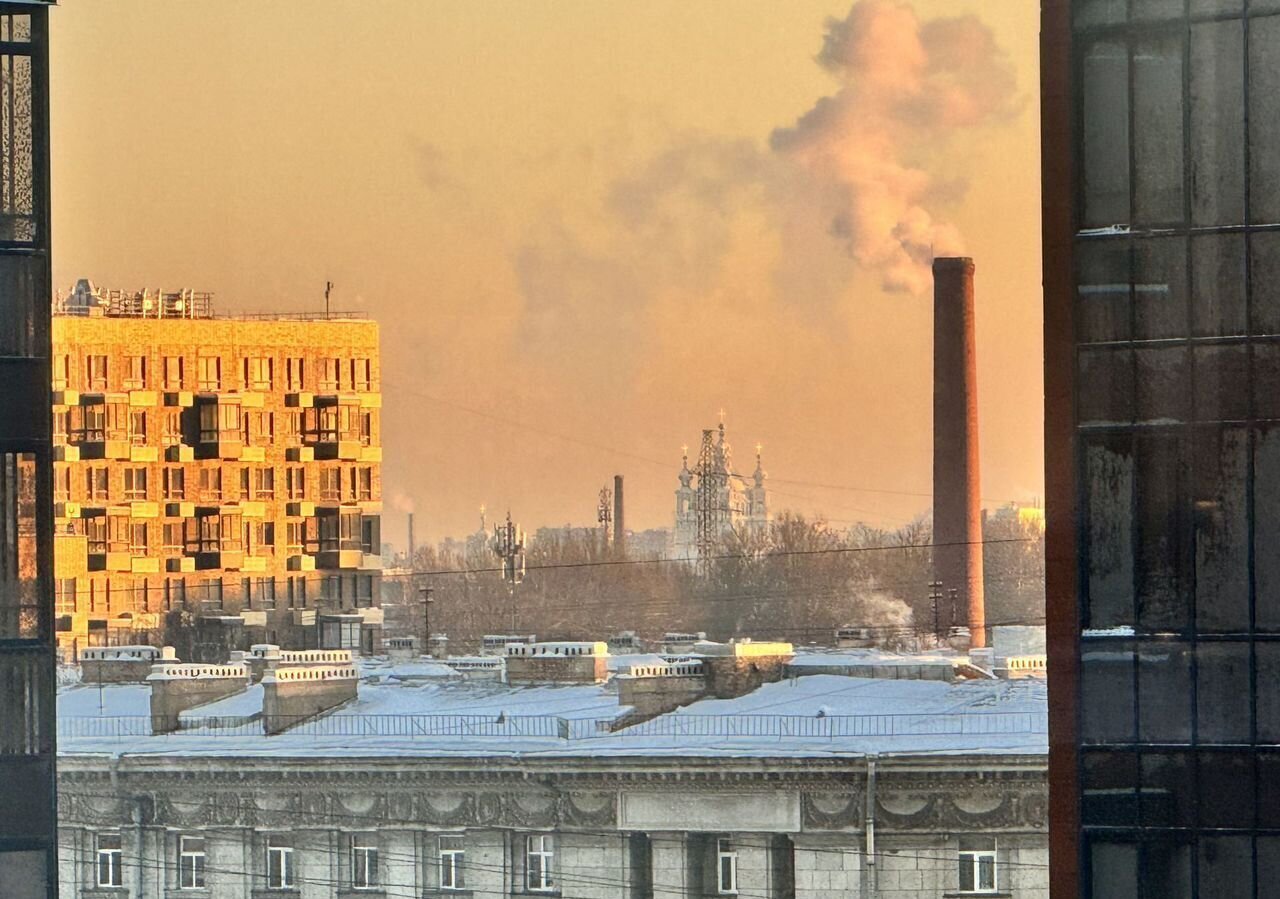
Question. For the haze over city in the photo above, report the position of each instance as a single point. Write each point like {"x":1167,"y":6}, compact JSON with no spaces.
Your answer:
{"x":566,"y":234}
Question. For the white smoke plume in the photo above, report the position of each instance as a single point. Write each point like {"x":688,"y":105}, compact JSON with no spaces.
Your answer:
{"x":905,"y":86}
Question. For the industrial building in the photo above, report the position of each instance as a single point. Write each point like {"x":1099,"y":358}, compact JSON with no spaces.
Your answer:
{"x":216,"y":477}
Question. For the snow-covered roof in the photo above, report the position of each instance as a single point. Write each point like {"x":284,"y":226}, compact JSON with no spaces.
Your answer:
{"x":442,"y":717}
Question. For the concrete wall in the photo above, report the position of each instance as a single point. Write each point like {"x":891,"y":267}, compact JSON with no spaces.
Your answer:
{"x":731,"y":676}
{"x":286,"y":702}
{"x":170,"y":697}
{"x":557,"y":669}
{"x":114,"y":671}
{"x":651,"y":696}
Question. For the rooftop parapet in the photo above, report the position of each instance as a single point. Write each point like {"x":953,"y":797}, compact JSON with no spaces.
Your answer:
{"x":311,"y":673}
{"x":117,"y":664}
{"x":744,"y":649}
{"x":291,"y":695}
{"x":177,"y":687}
{"x":685,"y":668}
{"x":568,"y":648}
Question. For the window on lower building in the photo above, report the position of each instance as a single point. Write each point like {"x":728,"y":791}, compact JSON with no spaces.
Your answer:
{"x":977,"y":865}
{"x":280,"y":872}
{"x":171,"y":427}
{"x":135,"y":483}
{"x":452,"y":856}
{"x":190,"y":863}
{"x":135,"y":372}
{"x":209,"y":373}
{"x":96,"y":481}
{"x":96,"y":371}
{"x":61,"y":482}
{"x":64,"y":595}
{"x":110,"y":859}
{"x":539,"y":862}
{"x":294,"y":372}
{"x":175,"y":483}
{"x":364,"y":861}
{"x":726,"y":867}
{"x":137,"y":427}
{"x":172,"y":372}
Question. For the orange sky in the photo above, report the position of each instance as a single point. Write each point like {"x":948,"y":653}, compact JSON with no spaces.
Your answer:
{"x":571,"y":223}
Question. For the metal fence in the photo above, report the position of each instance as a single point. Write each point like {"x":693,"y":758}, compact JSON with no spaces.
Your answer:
{"x":549,"y":727}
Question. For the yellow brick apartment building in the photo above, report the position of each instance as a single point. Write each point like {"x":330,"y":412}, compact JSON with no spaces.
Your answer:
{"x":216,"y":477}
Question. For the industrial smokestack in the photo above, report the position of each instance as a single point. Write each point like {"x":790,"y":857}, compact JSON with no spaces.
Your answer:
{"x":957,"y":515}
{"x":410,"y":539}
{"x":619,"y":526}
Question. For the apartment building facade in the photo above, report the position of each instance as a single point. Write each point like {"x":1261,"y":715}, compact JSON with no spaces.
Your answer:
{"x":216,"y":478}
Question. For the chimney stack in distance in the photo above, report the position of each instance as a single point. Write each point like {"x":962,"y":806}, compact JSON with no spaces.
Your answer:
{"x":619,"y":526}
{"x":957,"y":507}
{"x":410,"y":539}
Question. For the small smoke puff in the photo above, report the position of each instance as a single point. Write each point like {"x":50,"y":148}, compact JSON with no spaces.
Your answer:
{"x":904,"y":87}
{"x":402,"y":503}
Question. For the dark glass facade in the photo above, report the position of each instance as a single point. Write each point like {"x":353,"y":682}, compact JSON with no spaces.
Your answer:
{"x":28,"y":848}
{"x":1163,"y":383}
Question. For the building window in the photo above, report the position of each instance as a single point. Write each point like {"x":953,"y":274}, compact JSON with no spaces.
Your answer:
{"x":61,"y":482}
{"x":366,"y":428}
{"x":210,"y":533}
{"x":257,"y":373}
{"x":61,"y":425}
{"x":364,"y":591}
{"x":93,"y":423}
{"x":726,"y":867}
{"x":212,"y":593}
{"x":209,"y":373}
{"x":61,"y":371}
{"x":360,"y":370}
{"x":452,"y":856}
{"x":138,"y":538}
{"x":211,"y":483}
{"x":175,"y":483}
{"x":364,"y":489}
{"x":264,"y":483}
{"x":110,"y":859}
{"x":977,"y":865}
{"x":118,"y":421}
{"x":291,"y":427}
{"x":331,"y":484}
{"x":539,"y":862}
{"x":135,"y":483}
{"x":96,"y":482}
{"x":172,"y":535}
{"x":296,"y":482}
{"x":135,"y":372}
{"x":294,"y":373}
{"x":172,"y":372}
{"x":96,"y":371}
{"x":171,"y":427}
{"x":330,"y":372}
{"x":293,"y":532}
{"x":280,"y":873}
{"x":64,"y":595}
{"x":259,"y":428}
{"x":190,"y":863}
{"x":137,"y":427}
{"x":95,"y":531}
{"x":364,"y":861}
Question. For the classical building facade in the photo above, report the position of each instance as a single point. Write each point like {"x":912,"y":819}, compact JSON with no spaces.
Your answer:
{"x":661,"y":825}
{"x":216,"y":478}
{"x":713,"y":494}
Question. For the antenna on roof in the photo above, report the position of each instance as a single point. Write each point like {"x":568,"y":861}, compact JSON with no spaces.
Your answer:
{"x":328,"y":286}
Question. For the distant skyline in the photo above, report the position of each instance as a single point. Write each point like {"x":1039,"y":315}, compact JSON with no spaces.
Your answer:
{"x":586,"y":227}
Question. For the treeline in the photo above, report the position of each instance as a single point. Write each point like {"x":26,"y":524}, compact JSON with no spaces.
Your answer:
{"x":798,"y":582}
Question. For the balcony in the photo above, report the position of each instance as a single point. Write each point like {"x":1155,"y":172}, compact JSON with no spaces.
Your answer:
{"x":370,"y":401}
{"x":253,"y":454}
{"x":140,"y":508}
{"x":179,"y":453}
{"x":254,"y":563}
{"x":179,"y":399}
{"x":139,"y":453}
{"x":180,"y":509}
{"x":144,"y":398}
{"x":347,"y":450}
{"x":251,"y":399}
{"x":370,"y":506}
{"x":226,"y":445}
{"x":299,"y":399}
{"x":339,"y":558}
{"x":66,"y":397}
{"x":299,"y":454}
{"x":70,"y":555}
{"x":180,"y":564}
{"x":229,"y":560}
{"x":144,"y":565}
{"x":300,"y":509}
{"x":252,"y":508}
{"x":301,"y":562}
{"x":66,"y":453}
{"x":371,"y":454}
{"x":66,"y":509}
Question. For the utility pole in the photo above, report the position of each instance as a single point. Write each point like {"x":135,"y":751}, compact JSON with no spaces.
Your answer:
{"x":935,"y":600}
{"x":427,"y":599}
{"x":508,"y":544}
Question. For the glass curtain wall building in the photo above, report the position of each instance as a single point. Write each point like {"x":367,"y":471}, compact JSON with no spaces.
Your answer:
{"x":1161,"y":141}
{"x":28,"y":850}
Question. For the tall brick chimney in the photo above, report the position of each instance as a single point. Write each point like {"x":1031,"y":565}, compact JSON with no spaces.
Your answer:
{"x":619,"y":526}
{"x":957,"y":510}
